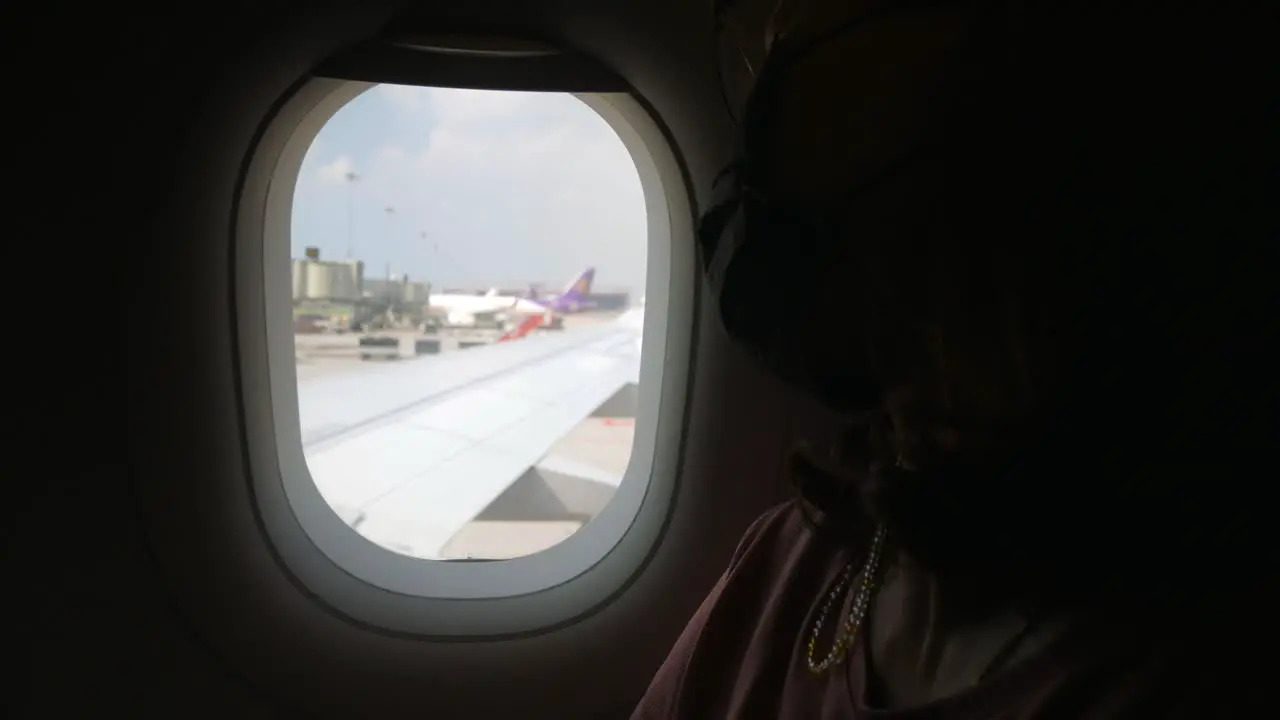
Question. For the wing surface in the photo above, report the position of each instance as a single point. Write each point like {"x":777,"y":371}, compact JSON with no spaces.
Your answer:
{"x":413,"y":451}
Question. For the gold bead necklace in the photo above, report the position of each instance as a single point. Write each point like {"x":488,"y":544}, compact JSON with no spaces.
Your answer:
{"x":862,"y":600}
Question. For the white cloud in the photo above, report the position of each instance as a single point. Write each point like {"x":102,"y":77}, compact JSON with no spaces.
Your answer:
{"x":405,"y":96}
{"x":507,"y":186}
{"x":337,"y":170}
{"x":466,"y":106}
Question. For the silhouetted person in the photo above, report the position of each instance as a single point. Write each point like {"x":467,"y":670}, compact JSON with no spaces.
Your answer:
{"x":1043,"y":504}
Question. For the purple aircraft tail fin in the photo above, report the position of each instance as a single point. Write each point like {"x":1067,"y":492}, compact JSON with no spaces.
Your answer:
{"x":576,"y":295}
{"x":580,"y":288}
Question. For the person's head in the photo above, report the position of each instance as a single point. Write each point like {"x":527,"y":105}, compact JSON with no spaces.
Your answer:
{"x":930,"y":243}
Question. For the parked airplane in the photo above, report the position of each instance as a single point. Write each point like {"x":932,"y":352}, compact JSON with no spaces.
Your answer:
{"x":409,"y":455}
{"x":462,"y":309}
{"x":575,"y":296}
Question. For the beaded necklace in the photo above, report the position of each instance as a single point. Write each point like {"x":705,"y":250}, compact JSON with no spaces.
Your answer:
{"x":857,"y":616}
{"x":862,"y":600}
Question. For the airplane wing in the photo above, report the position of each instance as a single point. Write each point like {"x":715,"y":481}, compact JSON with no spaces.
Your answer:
{"x":411,"y":452}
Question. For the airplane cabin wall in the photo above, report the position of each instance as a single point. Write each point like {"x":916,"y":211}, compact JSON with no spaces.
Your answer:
{"x":143,"y":589}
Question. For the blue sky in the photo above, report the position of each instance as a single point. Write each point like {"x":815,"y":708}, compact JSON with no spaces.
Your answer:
{"x":508,"y":187}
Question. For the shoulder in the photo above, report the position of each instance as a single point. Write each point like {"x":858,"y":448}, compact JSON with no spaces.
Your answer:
{"x":762,"y":599}
{"x":780,"y":525}
{"x":780,"y":568}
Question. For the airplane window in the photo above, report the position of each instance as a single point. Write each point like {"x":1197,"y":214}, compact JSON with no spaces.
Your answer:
{"x":468,"y":273}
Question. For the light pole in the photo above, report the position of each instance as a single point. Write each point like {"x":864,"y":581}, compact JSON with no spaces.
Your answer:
{"x":391,"y":212}
{"x":432,"y":263}
{"x":351,"y":211}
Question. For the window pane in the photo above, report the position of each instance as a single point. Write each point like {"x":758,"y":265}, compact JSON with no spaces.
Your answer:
{"x":467,"y":299}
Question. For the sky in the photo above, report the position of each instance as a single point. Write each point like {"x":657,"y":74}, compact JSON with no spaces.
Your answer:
{"x":508,"y":187}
